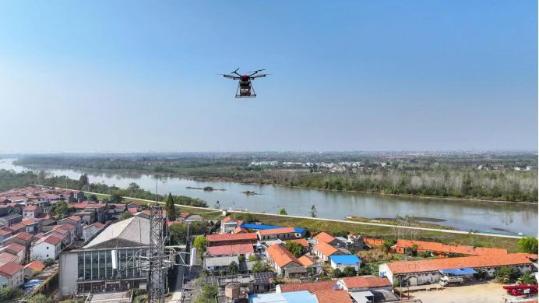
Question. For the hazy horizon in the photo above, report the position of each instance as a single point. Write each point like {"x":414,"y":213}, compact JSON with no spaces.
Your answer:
{"x":124,"y":77}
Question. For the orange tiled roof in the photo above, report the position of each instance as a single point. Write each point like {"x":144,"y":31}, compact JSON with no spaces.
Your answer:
{"x":332,"y":296}
{"x":230,"y":250}
{"x":52,"y":240}
{"x":365,"y":282}
{"x":23,"y":236}
{"x":309,"y":286}
{"x":10,"y":269}
{"x":325,"y":249}
{"x":401,"y":267}
{"x":305,"y":261}
{"x":324,"y":237}
{"x":276,"y":231}
{"x":280,"y":255}
{"x":14,"y":247}
{"x":35,"y":265}
{"x":231,"y":237}
{"x":450,"y":249}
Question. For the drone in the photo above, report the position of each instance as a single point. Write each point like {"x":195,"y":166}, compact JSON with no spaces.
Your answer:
{"x":245,"y":86}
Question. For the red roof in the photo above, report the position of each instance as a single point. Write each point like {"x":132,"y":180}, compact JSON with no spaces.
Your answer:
{"x":35,"y":265}
{"x":401,"y":267}
{"x":10,"y":269}
{"x":276,"y":231}
{"x":29,"y":221}
{"x":231,"y":237}
{"x":280,"y":255}
{"x":326,"y":249}
{"x":6,"y":257}
{"x":24,"y":236}
{"x":324,"y":237}
{"x":305,"y":261}
{"x":301,"y":242}
{"x":332,"y":296}
{"x":30,"y":208}
{"x":230,"y":250}
{"x":52,"y":240}
{"x":14,"y":247}
{"x":309,"y":286}
{"x":365,"y":282}
{"x":449,"y":249}
{"x":74,"y":218}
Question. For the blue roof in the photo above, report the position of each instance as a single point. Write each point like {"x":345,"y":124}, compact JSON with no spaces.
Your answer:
{"x":287,"y":297}
{"x":458,"y":272}
{"x":345,"y":259}
{"x":255,"y":226}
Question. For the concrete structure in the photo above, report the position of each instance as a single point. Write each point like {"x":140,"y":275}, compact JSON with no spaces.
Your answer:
{"x":11,"y":275}
{"x":428,"y":271}
{"x":31,"y":211}
{"x":111,"y":261}
{"x":89,"y":231}
{"x":219,"y":264}
{"x":48,"y":247}
{"x":342,"y":261}
{"x":228,"y":225}
{"x":74,"y":221}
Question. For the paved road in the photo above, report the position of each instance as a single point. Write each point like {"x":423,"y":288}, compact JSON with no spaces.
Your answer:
{"x":441,"y":230}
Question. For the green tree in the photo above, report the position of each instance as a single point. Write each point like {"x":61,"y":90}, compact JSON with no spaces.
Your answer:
{"x":349,"y":271}
{"x":170,"y":208}
{"x":208,"y":294}
{"x":60,"y":210}
{"x":233,"y":268}
{"x":336,"y":273}
{"x":125,"y":215}
{"x":314,"y":212}
{"x":200,"y":243}
{"x":388,"y":244}
{"x":282,"y":211}
{"x":527,"y":245}
{"x":93,"y":197}
{"x":7,"y":294}
{"x":116,"y":198}
{"x":295,"y":248}
{"x":49,"y":262}
{"x":260,"y":266}
{"x":527,"y":278}
{"x":40,"y":298}
{"x":506,"y":274}
{"x":83,"y":181}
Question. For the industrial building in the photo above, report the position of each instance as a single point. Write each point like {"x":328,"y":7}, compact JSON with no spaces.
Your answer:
{"x":109,"y":262}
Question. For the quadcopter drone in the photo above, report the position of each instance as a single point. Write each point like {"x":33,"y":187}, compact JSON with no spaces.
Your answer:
{"x":245,"y":86}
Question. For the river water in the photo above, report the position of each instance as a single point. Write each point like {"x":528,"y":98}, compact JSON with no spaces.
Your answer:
{"x":463,"y":215}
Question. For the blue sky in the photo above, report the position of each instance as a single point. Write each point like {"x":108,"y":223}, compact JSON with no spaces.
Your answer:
{"x":136,"y":76}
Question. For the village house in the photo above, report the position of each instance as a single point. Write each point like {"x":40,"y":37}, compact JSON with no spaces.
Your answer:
{"x":9,"y":220}
{"x":245,"y":250}
{"x":323,"y":251}
{"x":325,"y":291}
{"x":429,"y":271}
{"x":284,"y":262}
{"x":31,"y":211}
{"x":343,"y":261}
{"x":6,"y":257}
{"x":312,"y":267}
{"x":11,"y":275}
{"x":31,"y":225}
{"x":283,"y":233}
{"x":74,"y":221}
{"x":33,"y":268}
{"x":48,"y":247}
{"x":228,"y":225}
{"x":17,"y":250}
{"x":89,"y":231}
{"x":231,"y":239}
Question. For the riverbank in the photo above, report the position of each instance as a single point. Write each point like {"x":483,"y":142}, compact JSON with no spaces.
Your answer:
{"x":249,"y":181}
{"x":370,"y":229}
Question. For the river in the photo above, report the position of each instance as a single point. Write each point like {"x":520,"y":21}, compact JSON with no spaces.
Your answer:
{"x":503,"y":218}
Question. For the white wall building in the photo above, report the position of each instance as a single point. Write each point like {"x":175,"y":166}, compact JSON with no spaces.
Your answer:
{"x":45,"y":248}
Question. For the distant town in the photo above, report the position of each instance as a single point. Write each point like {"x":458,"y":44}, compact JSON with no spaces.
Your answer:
{"x":76,"y":246}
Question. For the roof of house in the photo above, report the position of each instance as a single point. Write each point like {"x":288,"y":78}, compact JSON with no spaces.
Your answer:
{"x":365,"y":282}
{"x":220,"y":261}
{"x":74,"y":218}
{"x":30,"y":208}
{"x":29,"y":221}
{"x":305,"y":261}
{"x":6,"y":257}
{"x":35,"y":265}
{"x":24,"y":236}
{"x":276,"y":231}
{"x":332,"y":296}
{"x":310,"y":286}
{"x":345,"y":259}
{"x":134,"y":229}
{"x":53,"y":240}
{"x":324,"y":237}
{"x":325,"y":249}
{"x":280,"y":255}
{"x":230,"y":250}
{"x":231,"y":237}
{"x":18,"y":226}
{"x":450,"y":249}
{"x":401,"y":267}
{"x":14,"y":248}
{"x":9,"y":269}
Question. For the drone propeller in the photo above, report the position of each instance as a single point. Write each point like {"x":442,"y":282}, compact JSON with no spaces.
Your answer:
{"x":236,"y":71}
